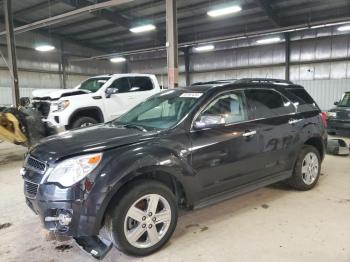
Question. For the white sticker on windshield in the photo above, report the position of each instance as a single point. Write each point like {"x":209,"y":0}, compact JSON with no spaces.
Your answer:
{"x":191,"y":95}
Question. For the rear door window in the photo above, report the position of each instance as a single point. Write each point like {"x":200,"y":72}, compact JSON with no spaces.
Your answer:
{"x":301,"y":99}
{"x":140,"y":83}
{"x":266,"y":103}
{"x":122,"y":84}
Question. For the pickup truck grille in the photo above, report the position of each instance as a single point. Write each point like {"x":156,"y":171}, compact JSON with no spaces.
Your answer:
{"x":35,"y":165}
{"x":30,"y":189}
{"x":343,"y":114}
{"x":42,"y":107}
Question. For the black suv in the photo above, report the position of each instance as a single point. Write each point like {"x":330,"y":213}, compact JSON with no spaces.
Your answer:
{"x":183,"y":148}
{"x":338,"y":118}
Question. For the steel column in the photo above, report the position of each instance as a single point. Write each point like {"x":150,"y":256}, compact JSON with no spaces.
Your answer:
{"x":11,"y":52}
{"x":62,"y":66}
{"x":171,"y":44}
{"x":287,"y":56}
{"x":187,"y":65}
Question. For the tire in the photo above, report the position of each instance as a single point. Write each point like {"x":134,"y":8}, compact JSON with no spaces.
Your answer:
{"x":84,"y":121}
{"x":119,"y":224}
{"x":307,"y":169}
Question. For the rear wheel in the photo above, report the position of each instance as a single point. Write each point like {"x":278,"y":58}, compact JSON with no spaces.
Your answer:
{"x":307,"y":169}
{"x":84,"y":121}
{"x":144,"y":218}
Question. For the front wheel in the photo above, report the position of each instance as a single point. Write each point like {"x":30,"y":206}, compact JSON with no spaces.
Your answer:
{"x":84,"y":121}
{"x":144,"y":218}
{"x":307,"y":169}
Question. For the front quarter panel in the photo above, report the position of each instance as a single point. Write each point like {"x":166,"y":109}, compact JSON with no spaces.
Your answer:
{"x":169,"y":155}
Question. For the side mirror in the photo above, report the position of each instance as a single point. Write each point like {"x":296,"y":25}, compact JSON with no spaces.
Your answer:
{"x":209,"y":121}
{"x":111,"y":91}
{"x":336,"y":103}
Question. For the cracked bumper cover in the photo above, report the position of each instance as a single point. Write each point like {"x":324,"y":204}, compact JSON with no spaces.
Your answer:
{"x":51,"y":200}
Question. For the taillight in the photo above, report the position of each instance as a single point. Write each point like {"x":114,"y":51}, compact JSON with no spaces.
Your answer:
{"x":323,"y":116}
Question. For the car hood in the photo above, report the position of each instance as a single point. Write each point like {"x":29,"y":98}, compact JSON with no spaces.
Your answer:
{"x":87,"y":140}
{"x":56,"y":93}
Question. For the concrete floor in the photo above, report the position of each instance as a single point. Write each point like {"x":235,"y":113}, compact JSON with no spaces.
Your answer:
{"x":271,"y":224}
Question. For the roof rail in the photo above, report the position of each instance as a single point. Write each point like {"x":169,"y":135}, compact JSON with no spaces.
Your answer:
{"x":215,"y":82}
{"x":265,"y":80}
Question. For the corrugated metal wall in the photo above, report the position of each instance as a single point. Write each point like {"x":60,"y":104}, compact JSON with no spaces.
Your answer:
{"x":320,"y":60}
{"x":41,"y":70}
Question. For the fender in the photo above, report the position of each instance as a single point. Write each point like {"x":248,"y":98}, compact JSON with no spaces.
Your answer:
{"x":135,"y":162}
{"x":77,"y":111}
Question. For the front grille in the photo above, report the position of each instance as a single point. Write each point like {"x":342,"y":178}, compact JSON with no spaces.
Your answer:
{"x":42,"y":107}
{"x":35,"y":164}
{"x":343,"y":114}
{"x":30,"y":189}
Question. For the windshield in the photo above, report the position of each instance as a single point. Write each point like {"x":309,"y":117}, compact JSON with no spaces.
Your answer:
{"x":93,"y":84}
{"x":160,"y":111}
{"x":345,"y":100}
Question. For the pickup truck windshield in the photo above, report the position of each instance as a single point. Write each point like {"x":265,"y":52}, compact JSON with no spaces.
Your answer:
{"x":345,"y":100}
{"x":161,"y":111}
{"x":93,"y":84}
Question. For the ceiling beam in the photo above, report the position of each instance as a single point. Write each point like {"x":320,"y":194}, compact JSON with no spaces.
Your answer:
{"x":265,"y":5}
{"x":74,"y":24}
{"x":34,"y":8}
{"x":68,"y":15}
{"x":112,"y":16}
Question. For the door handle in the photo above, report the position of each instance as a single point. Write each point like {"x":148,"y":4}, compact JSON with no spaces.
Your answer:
{"x":249,"y":133}
{"x":293,"y":121}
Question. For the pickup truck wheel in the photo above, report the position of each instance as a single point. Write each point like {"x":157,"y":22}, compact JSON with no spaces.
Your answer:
{"x":84,"y":121}
{"x":144,"y":218}
{"x":307,"y":169}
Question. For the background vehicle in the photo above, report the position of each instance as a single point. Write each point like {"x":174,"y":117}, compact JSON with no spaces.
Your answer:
{"x":182,"y":148}
{"x":96,"y":100}
{"x":339,"y":117}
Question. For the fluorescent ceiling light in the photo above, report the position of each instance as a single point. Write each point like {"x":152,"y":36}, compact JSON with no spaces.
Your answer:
{"x":204,"y":48}
{"x":344,"y":28}
{"x":44,"y":48}
{"x":269,"y":40}
{"x":117,"y":59}
{"x":142,"y":28}
{"x":224,"y":11}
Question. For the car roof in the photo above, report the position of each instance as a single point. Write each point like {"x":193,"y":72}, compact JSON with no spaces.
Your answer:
{"x":239,"y":85}
{"x":128,"y":74}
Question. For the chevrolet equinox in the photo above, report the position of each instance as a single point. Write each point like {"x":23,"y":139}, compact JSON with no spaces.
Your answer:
{"x":181,"y":148}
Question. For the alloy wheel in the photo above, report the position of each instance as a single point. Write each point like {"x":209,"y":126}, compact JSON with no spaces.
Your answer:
{"x":147,"y":221}
{"x":310,"y":168}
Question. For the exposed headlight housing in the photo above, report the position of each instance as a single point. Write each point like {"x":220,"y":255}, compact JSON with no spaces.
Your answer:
{"x":73,"y":170}
{"x":332,"y":114}
{"x":59,"y":106}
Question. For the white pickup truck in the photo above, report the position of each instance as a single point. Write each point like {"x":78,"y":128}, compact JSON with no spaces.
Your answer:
{"x":98,"y":99}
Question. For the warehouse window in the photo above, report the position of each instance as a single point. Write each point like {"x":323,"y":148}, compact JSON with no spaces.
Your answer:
{"x":140,"y":83}
{"x":268,"y":103}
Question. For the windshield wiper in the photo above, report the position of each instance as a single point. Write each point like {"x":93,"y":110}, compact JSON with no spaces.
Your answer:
{"x":141,"y":128}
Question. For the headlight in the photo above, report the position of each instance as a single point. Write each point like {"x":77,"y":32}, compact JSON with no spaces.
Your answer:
{"x":59,"y":106}
{"x":71,"y":171}
{"x":332,"y":114}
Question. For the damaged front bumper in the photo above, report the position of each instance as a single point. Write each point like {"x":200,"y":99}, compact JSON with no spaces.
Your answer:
{"x":65,"y":212}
